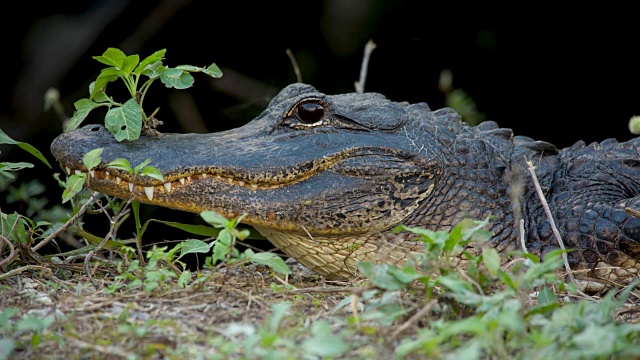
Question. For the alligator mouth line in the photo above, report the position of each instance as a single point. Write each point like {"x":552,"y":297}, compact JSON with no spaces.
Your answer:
{"x":255,"y":182}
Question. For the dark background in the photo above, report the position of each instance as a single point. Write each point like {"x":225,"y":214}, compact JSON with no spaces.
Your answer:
{"x":558,"y":75}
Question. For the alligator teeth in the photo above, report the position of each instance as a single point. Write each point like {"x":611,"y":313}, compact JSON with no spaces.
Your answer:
{"x":130,"y":186}
{"x":204,"y":176}
{"x":241,"y":183}
{"x":167,"y":186}
{"x":219,"y":177}
{"x":118,"y":180}
{"x":182,"y":181}
{"x":107,"y":173}
{"x":254,"y":186}
{"x":230,"y":180}
{"x":148,"y":190}
{"x":188,"y":178}
{"x":92,"y":173}
{"x":68,"y":170}
{"x":78,"y":172}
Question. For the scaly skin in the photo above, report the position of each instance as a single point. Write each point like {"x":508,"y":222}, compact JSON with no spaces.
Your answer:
{"x":326,"y":178}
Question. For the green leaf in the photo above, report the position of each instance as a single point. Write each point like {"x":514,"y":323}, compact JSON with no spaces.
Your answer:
{"x":176,"y":78}
{"x":106,"y":76}
{"x":213,"y":70}
{"x":491,"y":260}
{"x":136,"y":170}
{"x":125,"y":122}
{"x":5,"y":167}
{"x":154,"y":70}
{"x":130,"y":62}
{"x":5,"y":139}
{"x":214,"y":219}
{"x":156,"y":57}
{"x":73,"y":186}
{"x":121,"y":164}
{"x":100,"y":96}
{"x":381,"y":275}
{"x":152,"y":172}
{"x":112,"y":57}
{"x":184,"y":279}
{"x":271,"y":260}
{"x":547,"y":296}
{"x":203,"y":230}
{"x":193,"y":246}
{"x":92,"y":158}
{"x":7,"y":346}
{"x":323,"y":343}
{"x":83,"y":107}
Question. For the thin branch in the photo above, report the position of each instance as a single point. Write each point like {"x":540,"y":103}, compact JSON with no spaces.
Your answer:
{"x":522,"y":240}
{"x":12,"y":252}
{"x":110,"y":235}
{"x":415,"y":318}
{"x":547,"y":211}
{"x":296,"y":69}
{"x":72,"y":220}
{"x":368,"y":49}
{"x":556,"y":233}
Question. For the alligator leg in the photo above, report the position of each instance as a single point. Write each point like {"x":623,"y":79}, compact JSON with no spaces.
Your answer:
{"x":593,"y":197}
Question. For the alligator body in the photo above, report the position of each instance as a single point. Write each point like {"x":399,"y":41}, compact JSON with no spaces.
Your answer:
{"x":327,"y":177}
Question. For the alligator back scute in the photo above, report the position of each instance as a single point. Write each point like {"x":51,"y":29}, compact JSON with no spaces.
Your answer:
{"x":591,"y":189}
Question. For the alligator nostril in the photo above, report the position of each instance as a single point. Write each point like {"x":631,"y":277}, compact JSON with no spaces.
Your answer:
{"x":95,"y":128}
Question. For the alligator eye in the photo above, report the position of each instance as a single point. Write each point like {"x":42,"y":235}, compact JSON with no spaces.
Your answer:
{"x":310,"y":112}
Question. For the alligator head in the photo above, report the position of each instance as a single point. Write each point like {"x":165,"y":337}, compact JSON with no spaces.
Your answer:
{"x":324,"y":178}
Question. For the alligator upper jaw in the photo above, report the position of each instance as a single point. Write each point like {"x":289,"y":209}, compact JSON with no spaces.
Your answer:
{"x":281,"y":183}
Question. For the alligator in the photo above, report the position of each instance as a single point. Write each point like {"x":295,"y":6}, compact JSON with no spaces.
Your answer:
{"x":326,"y":179}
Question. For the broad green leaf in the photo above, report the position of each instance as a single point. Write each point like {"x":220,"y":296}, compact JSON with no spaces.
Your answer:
{"x":14,"y":227}
{"x":112,"y":57}
{"x":213,"y":70}
{"x":271,"y":260}
{"x":380,"y":276}
{"x":193,"y":246}
{"x":136,"y":170}
{"x":154,"y":70}
{"x":121,"y":164}
{"x":214,"y":219}
{"x":31,"y":323}
{"x":176,"y":78}
{"x":73,"y":186}
{"x":83,"y":107}
{"x":203,"y":230}
{"x":184,"y":279}
{"x":278,"y":312}
{"x":100,"y":96}
{"x":547,"y":296}
{"x":5,"y":167}
{"x":323,"y":343}
{"x":130,"y":62}
{"x":125,"y":122}
{"x":7,"y":346}
{"x":491,"y":260}
{"x":92,"y":158}
{"x":152,"y":172}
{"x":106,"y":76}
{"x":153,"y":58}
{"x":190,"y":68}
{"x":5,"y":139}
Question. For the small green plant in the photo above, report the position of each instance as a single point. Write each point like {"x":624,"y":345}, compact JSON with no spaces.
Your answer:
{"x":14,"y":329}
{"x":125,"y":120}
{"x":6,"y":168}
{"x":224,"y":249}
